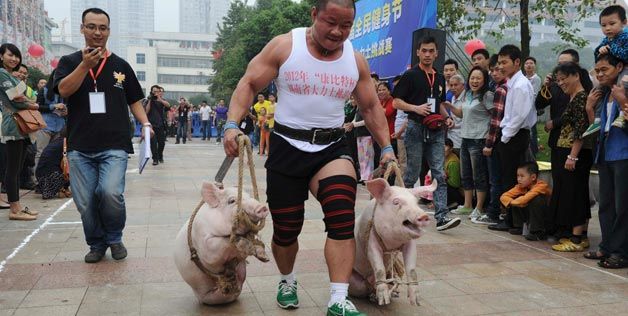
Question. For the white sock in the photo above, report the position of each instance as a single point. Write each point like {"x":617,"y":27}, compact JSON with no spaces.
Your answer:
{"x":289,"y":278}
{"x":338,"y":292}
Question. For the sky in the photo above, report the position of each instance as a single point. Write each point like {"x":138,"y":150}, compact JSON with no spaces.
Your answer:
{"x":166,"y":14}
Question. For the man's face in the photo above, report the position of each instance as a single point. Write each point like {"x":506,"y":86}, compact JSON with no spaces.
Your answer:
{"x":449,"y":70}
{"x":41,"y":84}
{"x":221,"y":102}
{"x":529,"y":66}
{"x":507,"y":66}
{"x":456,"y":86}
{"x":21,"y":74}
{"x":272,"y":98}
{"x":155,"y":91}
{"x":496,"y":74}
{"x":480,"y":60}
{"x":565,"y":58}
{"x":606,"y":73}
{"x":427,"y":53}
{"x":260,"y":98}
{"x":332,"y":25}
{"x":95,"y":29}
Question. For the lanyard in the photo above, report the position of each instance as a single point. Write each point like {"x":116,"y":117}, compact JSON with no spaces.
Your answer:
{"x":431,"y":80}
{"x":91,"y":73}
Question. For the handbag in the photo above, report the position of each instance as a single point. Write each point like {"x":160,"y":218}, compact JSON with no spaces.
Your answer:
{"x":65,"y":164}
{"x":434,"y":121}
{"x":29,"y":121}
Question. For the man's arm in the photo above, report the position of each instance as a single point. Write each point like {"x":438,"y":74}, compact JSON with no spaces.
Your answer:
{"x":370,"y":107}
{"x":72,"y":82}
{"x":262,"y":69}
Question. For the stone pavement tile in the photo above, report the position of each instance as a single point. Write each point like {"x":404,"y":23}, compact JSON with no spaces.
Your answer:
{"x":189,"y":305}
{"x":447,"y":272}
{"x":53,"y":236}
{"x":593,"y":294}
{"x":554,"y":279}
{"x":54,"y":297}
{"x":7,"y":312}
{"x":437,"y":288}
{"x":552,"y":298}
{"x":16,"y":282}
{"x":461,"y":305}
{"x":305,"y":311}
{"x":506,"y":302}
{"x":11,"y":299}
{"x":112,"y":300}
{"x":66,"y":310}
{"x":313,"y":280}
{"x":159,"y":252}
{"x":488,"y":269}
{"x":496,"y":284}
{"x":36,"y":255}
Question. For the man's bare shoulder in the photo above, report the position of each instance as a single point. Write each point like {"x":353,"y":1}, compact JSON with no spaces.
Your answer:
{"x":279,"y":48}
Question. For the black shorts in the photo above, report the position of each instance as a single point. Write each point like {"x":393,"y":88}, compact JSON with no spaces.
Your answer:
{"x":289,"y":170}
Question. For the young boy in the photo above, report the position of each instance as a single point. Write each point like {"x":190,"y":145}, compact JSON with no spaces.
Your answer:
{"x":452,"y":175}
{"x":613,"y":24}
{"x":528,"y":202}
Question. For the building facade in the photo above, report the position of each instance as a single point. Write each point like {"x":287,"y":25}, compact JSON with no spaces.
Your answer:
{"x":129,"y":20}
{"x":179,"y":62}
{"x":202,"y":16}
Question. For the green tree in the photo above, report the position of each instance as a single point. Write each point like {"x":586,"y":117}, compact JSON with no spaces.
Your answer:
{"x":245,"y":31}
{"x":565,"y":14}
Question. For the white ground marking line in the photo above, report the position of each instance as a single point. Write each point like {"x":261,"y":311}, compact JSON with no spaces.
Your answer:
{"x":35,"y":232}
{"x":547,"y":252}
{"x":64,"y":223}
{"x":136,"y":170}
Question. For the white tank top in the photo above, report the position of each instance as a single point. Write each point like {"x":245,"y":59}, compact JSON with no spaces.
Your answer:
{"x":311,"y":92}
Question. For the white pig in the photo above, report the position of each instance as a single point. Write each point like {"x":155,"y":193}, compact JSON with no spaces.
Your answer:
{"x":211,"y":230}
{"x":398,"y":221}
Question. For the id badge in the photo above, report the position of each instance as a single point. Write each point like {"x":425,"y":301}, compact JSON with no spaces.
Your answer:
{"x":97,"y":103}
{"x":432,"y":103}
{"x":243,"y":125}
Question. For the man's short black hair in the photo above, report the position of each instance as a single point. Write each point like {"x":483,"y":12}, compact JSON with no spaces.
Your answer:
{"x":23,"y":66}
{"x":322,"y":4}
{"x":481,"y":51}
{"x":492,"y":62}
{"x":511,"y":51}
{"x":530,"y":58}
{"x":154,"y":86}
{"x":614,"y":9}
{"x":449,"y":142}
{"x":94,"y":11}
{"x":530,"y":167}
{"x":451,"y":62}
{"x":574,"y":54}
{"x":610,"y":58}
{"x":567,"y":69}
{"x":375,"y":76}
{"x":428,"y":40}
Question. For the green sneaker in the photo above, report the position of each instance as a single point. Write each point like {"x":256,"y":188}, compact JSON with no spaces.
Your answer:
{"x":619,"y":121}
{"x":592,"y":128}
{"x":287,"y":295}
{"x":461,"y":210}
{"x":345,"y":308}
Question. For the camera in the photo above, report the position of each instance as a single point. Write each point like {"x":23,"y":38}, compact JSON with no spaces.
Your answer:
{"x":90,"y":50}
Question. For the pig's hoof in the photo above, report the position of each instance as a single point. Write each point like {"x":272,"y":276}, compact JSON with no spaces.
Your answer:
{"x":262,"y":256}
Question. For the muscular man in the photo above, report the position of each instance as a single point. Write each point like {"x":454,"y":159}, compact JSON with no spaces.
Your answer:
{"x":316,"y":70}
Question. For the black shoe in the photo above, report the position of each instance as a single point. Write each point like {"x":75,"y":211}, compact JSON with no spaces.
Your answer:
{"x":447,"y":223}
{"x":161,"y":161}
{"x":177,"y":142}
{"x":118,"y":251}
{"x":515,"y":231}
{"x":538,"y":236}
{"x":155,"y":162}
{"x":203,"y":139}
{"x":28,"y":186}
{"x":501,"y":227}
{"x":94,"y":256}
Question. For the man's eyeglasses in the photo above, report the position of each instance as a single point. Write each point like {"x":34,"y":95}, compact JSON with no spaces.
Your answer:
{"x":94,"y":27}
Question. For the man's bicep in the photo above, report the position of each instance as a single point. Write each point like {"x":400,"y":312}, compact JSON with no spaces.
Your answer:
{"x":264,"y":67}
{"x":364,"y":91}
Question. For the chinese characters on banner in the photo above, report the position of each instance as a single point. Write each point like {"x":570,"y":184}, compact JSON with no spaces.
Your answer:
{"x":382,"y":32}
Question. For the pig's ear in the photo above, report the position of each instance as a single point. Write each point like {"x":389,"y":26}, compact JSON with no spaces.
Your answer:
{"x":425,"y":189}
{"x":211,"y":194}
{"x":378,"y":188}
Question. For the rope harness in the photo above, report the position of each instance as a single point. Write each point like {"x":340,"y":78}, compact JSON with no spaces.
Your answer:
{"x":247,"y":244}
{"x":393,"y":259}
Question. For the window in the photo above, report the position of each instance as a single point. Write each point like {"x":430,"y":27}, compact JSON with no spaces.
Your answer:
{"x":184,"y":79}
{"x":140,"y":58}
{"x":176,"y":62}
{"x":141,"y":75}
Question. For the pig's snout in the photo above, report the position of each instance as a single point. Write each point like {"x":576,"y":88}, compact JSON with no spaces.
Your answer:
{"x":260,"y":212}
{"x":423,"y":220}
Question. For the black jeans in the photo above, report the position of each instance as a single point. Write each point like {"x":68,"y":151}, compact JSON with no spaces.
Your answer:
{"x":15,"y":161}
{"x":510,"y":155}
{"x":534,"y":214}
{"x":613,"y":212}
{"x":157,"y":143}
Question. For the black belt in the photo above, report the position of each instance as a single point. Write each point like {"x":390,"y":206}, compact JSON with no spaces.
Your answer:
{"x":316,"y":136}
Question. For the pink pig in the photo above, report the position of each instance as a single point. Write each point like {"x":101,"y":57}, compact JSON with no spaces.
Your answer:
{"x":398,"y":221}
{"x":211,"y":230}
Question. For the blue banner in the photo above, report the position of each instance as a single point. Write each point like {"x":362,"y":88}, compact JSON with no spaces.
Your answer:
{"x":382,"y":32}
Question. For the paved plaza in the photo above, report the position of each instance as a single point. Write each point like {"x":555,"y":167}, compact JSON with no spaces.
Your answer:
{"x":466,"y":271}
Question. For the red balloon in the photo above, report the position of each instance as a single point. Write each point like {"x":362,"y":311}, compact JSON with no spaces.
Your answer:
{"x":36,"y":50}
{"x":473,"y":45}
{"x":54,"y":63}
